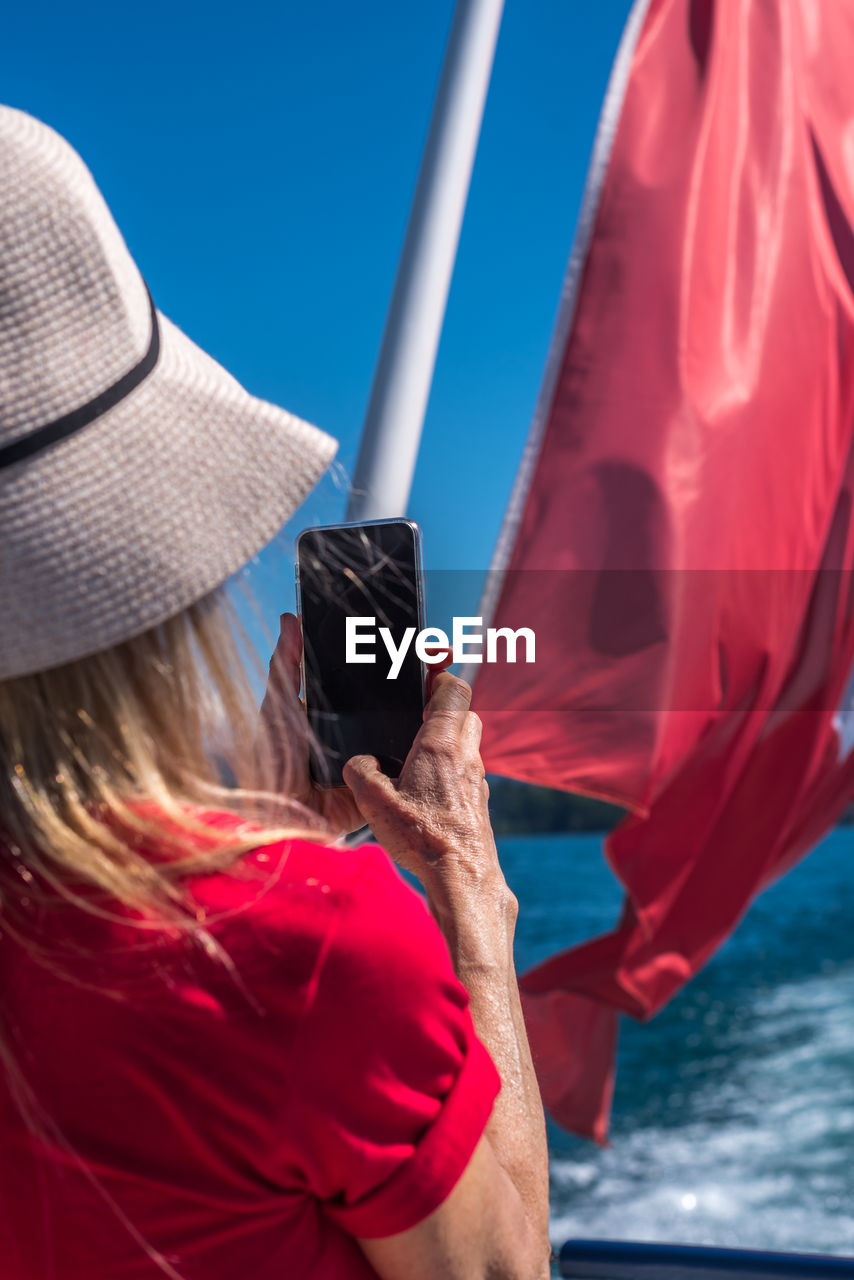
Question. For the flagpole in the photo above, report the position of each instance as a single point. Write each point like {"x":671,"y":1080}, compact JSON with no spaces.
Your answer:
{"x":404,"y":370}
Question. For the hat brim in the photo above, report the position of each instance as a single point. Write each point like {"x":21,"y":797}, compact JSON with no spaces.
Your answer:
{"x":145,"y":510}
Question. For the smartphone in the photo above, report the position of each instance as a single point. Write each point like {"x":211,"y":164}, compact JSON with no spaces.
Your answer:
{"x":350,"y":576}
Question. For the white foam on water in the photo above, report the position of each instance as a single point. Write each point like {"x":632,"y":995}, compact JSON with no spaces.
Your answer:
{"x":763,"y":1158}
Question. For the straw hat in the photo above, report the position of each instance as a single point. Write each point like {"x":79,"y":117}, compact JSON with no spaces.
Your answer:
{"x":135,"y":473}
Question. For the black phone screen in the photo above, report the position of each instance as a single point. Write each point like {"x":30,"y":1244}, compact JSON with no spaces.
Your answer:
{"x":365,"y":572}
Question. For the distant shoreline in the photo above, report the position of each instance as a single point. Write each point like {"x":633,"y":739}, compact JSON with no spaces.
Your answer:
{"x":518,"y":808}
{"x":521,"y":809}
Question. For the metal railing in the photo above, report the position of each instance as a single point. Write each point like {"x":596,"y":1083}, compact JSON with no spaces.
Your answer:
{"x":620,"y":1260}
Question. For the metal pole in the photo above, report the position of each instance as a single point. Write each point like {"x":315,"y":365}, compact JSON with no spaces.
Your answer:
{"x":401,"y":387}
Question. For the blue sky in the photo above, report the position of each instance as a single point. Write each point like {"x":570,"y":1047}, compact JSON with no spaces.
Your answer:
{"x":260,"y":160}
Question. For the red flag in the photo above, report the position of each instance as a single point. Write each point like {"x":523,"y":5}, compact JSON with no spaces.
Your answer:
{"x":681,"y":536}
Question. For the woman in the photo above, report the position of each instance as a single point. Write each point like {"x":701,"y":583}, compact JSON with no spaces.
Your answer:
{"x":231,"y":1047}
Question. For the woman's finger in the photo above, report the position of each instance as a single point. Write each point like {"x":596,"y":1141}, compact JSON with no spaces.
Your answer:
{"x":285,"y":663}
{"x":448,"y":706}
{"x":473,"y":731}
{"x":434,"y":668}
{"x":434,"y":651}
{"x":372,"y":790}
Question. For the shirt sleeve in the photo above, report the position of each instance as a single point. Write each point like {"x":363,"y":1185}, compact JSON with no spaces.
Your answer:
{"x":392,"y":1089}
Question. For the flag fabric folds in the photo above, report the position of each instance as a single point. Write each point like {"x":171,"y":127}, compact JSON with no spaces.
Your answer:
{"x":681,"y":536}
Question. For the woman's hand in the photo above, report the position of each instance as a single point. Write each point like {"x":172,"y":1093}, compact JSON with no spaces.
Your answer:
{"x":284,"y":721}
{"x":434,"y":819}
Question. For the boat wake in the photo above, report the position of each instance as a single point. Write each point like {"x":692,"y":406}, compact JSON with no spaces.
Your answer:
{"x":762,"y":1152}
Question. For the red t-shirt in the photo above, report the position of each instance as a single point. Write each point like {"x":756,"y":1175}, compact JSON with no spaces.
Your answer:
{"x":246,"y":1119}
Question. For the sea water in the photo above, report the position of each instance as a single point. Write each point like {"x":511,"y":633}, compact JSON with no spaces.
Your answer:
{"x":733,"y":1118}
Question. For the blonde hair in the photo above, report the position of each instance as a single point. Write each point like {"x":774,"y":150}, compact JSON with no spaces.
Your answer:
{"x":109,"y":754}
